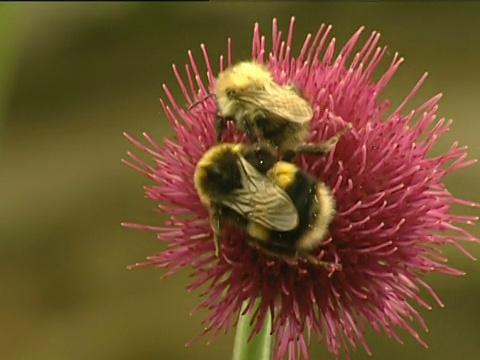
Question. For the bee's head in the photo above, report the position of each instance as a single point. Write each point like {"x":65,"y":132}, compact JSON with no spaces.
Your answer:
{"x":231,"y":93}
{"x":241,"y":77}
{"x":236,"y":81}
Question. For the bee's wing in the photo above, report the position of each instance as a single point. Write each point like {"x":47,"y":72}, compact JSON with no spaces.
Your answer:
{"x":263,"y":202}
{"x":281,"y":101}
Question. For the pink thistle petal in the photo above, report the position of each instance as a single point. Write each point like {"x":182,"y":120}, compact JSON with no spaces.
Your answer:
{"x":393,"y":211}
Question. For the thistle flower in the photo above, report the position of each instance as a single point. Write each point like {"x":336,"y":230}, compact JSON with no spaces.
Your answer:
{"x":393,"y":212}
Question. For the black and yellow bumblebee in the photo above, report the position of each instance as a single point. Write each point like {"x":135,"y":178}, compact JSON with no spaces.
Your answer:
{"x":284,"y":210}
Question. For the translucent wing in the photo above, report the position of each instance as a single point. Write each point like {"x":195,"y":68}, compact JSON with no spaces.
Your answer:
{"x":261,"y":201}
{"x":281,"y":101}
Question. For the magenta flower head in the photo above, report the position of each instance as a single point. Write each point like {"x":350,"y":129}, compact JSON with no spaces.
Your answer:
{"x":393,"y":212}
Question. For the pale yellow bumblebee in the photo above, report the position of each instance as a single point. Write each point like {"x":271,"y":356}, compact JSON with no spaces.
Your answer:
{"x":247,"y":94}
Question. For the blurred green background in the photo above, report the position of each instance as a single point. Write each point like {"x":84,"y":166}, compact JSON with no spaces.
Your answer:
{"x":74,"y":76}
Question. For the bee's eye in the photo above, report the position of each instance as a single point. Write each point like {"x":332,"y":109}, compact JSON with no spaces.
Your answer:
{"x":231,"y":93}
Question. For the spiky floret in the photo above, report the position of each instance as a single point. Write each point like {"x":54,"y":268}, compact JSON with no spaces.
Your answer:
{"x":393,"y":211}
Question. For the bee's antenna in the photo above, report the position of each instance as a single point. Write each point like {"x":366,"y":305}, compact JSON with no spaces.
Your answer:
{"x":201,"y":100}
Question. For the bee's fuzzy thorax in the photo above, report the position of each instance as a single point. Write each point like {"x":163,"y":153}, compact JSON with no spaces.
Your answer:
{"x":216,"y":174}
{"x":242,"y":76}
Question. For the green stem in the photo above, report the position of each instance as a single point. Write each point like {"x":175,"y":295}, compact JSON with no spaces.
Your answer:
{"x":260,"y":346}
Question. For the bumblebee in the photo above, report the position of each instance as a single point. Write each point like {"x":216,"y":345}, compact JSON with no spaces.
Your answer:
{"x":283,"y":210}
{"x":231,"y":187}
{"x":247,"y":94}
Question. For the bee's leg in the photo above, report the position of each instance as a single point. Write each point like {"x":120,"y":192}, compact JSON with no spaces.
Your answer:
{"x":313,"y":260}
{"x":220,"y":126}
{"x":250,"y":131}
{"x":274,"y":250}
{"x":289,"y":155}
{"x":320,"y":149}
{"x":215,"y":218}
